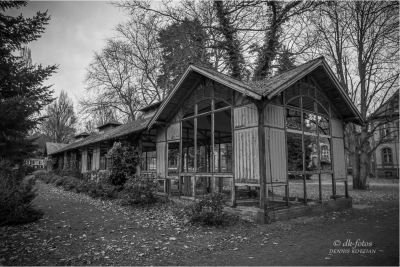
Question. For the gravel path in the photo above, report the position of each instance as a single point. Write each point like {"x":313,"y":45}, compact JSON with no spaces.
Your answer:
{"x":77,"y":230}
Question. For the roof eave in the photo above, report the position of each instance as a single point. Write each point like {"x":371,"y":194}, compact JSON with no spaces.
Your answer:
{"x":344,"y":95}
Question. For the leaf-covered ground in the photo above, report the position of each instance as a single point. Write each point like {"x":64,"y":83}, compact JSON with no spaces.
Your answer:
{"x":77,"y":230}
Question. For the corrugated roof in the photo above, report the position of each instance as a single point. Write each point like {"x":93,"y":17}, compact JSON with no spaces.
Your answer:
{"x":119,"y":131}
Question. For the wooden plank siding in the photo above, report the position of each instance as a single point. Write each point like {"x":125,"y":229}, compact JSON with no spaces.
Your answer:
{"x":275,"y":145}
{"x":339,"y":164}
{"x":245,"y":116}
{"x":246,"y":156}
{"x":274,"y":116}
{"x":161,"y":160}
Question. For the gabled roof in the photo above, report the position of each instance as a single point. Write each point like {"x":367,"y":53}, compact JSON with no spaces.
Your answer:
{"x":119,"y":131}
{"x":267,"y":88}
{"x":271,"y":84}
{"x":53,"y":147}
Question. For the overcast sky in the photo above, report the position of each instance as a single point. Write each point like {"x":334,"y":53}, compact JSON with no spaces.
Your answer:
{"x":76,"y":29}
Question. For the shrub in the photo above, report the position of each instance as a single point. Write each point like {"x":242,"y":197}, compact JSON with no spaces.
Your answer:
{"x":139,"y":190}
{"x":208,"y":211}
{"x":102,"y":190}
{"x":16,"y":196}
{"x":97,"y":175}
{"x":123,"y":162}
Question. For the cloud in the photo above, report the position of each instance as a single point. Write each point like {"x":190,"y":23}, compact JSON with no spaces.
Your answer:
{"x":75,"y":31}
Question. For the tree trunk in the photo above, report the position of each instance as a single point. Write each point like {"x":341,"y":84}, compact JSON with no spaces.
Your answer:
{"x":360,"y":182}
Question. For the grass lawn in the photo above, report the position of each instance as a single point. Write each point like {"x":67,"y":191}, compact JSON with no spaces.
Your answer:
{"x":77,"y":230}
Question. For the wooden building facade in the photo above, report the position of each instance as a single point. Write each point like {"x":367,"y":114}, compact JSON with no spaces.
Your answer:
{"x":251,"y":141}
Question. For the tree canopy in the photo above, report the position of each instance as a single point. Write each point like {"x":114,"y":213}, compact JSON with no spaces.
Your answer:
{"x":22,"y":95}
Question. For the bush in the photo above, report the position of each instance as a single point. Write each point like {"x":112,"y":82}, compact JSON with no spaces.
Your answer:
{"x":139,"y":190}
{"x":16,"y":196}
{"x":123,"y":162}
{"x":208,"y":211}
{"x":102,"y":190}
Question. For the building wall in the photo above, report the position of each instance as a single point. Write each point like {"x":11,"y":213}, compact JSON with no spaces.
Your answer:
{"x":379,"y":168}
{"x":275,"y":144}
{"x":246,"y":155}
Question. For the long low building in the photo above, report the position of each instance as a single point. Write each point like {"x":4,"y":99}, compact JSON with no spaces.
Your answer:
{"x":216,"y":133}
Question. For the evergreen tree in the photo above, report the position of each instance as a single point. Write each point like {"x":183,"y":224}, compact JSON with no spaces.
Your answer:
{"x":22,"y":95}
{"x":182,"y":43}
{"x":285,"y":61}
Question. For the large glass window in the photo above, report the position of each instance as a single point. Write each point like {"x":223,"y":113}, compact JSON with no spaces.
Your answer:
{"x":188,"y":145}
{"x":308,"y":130}
{"x":173,"y":158}
{"x":204,"y":143}
{"x":149,"y":158}
{"x":207,"y":129}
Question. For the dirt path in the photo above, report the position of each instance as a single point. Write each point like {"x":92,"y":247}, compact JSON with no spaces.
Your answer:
{"x":77,"y":230}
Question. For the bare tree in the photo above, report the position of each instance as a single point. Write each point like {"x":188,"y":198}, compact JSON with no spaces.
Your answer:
{"x":111,"y":83}
{"x":239,"y":32}
{"x":59,"y":125}
{"x":360,"y":39}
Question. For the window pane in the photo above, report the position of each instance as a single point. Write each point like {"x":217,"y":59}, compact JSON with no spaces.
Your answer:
{"x":293,"y":119}
{"x":223,"y":141}
{"x":308,"y":103}
{"x":295,"y":152}
{"x":204,"y":143}
{"x":294,"y":102}
{"x":321,"y":99}
{"x":322,"y":110}
{"x":311,"y":154}
{"x":188,"y":145}
{"x":220,"y":104}
{"x":323,"y":125}
{"x":204,"y":106}
{"x":291,"y":92}
{"x":310,"y":123}
{"x":173,"y":157}
{"x":325,"y":153}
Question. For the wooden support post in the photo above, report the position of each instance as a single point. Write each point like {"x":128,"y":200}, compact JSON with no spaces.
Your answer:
{"x":261,"y":151}
{"x":194,"y":186}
